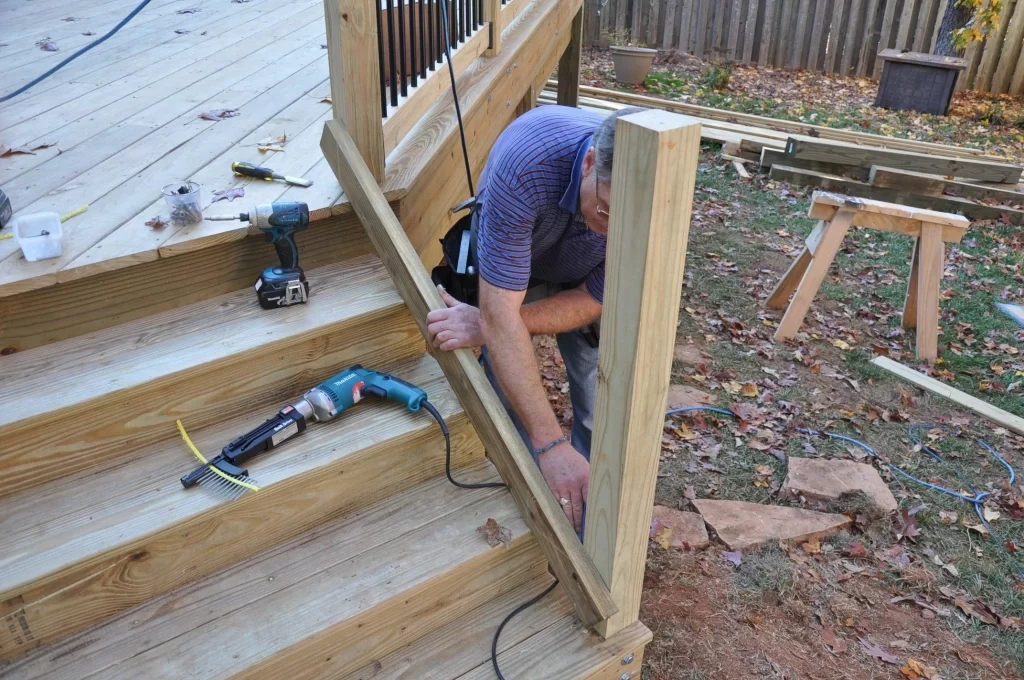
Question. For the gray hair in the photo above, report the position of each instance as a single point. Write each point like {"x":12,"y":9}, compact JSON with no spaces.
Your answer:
{"x":604,"y":144}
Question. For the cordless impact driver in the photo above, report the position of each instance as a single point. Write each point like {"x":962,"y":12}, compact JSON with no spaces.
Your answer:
{"x":286,"y":284}
{"x":322,"y":403}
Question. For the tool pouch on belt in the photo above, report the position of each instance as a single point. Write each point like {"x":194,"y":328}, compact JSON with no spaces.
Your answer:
{"x":458,"y":274}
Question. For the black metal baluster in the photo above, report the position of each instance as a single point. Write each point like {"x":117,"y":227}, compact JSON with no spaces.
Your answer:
{"x":461,"y":5}
{"x":401,"y":49}
{"x":380,"y":63}
{"x":423,"y":40}
{"x":414,"y":67}
{"x":392,"y":59}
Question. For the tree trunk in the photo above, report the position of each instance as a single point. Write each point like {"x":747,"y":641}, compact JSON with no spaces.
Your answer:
{"x":956,"y":17}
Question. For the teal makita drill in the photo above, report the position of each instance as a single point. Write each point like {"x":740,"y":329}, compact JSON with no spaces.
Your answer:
{"x":322,"y":403}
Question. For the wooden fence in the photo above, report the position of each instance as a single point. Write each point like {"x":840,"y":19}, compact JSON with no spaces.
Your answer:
{"x":831,"y":36}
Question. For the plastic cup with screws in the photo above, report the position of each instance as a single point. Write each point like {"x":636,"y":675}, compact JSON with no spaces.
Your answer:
{"x":185,"y":201}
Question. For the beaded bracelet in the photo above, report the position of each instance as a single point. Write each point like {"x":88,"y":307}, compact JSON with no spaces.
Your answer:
{"x":550,"y":446}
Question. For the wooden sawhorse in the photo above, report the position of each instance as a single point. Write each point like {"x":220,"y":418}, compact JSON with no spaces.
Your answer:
{"x":837,"y":214}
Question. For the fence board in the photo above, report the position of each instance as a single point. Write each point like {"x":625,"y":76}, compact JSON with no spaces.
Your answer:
{"x":853,"y":32}
{"x":924,"y":12}
{"x":906,"y":23}
{"x":1011,"y":51}
{"x":652,"y":24}
{"x":750,"y":30}
{"x":670,"y":18}
{"x":796,"y":57}
{"x":870,"y":48}
{"x":936,"y":25}
{"x":993,"y":48}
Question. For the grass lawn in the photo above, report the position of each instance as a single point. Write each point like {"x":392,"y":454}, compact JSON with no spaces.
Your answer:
{"x":825,"y":610}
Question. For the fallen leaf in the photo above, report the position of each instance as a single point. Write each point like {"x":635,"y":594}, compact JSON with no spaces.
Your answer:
{"x":947,"y":517}
{"x":326,"y":100}
{"x":754,"y":621}
{"x":915,"y":670}
{"x":990,"y":514}
{"x":228,"y":194}
{"x":6,"y":151}
{"x":978,"y":612}
{"x":89,"y":33}
{"x":736,"y":557}
{"x":877,"y":652}
{"x":905,"y":525}
{"x":188,"y":10}
{"x":218,"y":114}
{"x":47,"y":44}
{"x":496,"y":534}
{"x":836,"y":645}
{"x":749,"y":390}
{"x":661,"y":533}
{"x":272,"y":143}
{"x":158,"y":222}
{"x":841,"y":344}
{"x":684,"y":396}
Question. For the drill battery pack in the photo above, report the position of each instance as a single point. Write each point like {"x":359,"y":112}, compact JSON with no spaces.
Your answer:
{"x":281,"y":287}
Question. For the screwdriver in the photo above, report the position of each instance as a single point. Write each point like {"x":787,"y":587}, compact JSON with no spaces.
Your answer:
{"x":259,"y":172}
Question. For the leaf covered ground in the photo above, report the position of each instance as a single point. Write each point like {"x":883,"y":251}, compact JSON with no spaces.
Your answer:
{"x":927,"y":593}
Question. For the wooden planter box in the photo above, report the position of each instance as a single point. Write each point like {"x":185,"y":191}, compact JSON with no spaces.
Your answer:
{"x":917,"y":82}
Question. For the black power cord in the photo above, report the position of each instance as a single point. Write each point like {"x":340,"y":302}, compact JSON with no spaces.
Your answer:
{"x":448,"y":453}
{"x":432,"y":410}
{"x":77,"y":54}
{"x":455,"y":95}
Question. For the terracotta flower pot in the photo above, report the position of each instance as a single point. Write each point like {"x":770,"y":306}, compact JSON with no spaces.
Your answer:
{"x":632,"y":63}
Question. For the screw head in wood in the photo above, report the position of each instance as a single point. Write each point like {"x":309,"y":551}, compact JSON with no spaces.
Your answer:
{"x":628,"y":659}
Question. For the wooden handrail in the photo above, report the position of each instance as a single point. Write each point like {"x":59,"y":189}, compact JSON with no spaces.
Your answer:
{"x":656,"y":156}
{"x":574,"y":569}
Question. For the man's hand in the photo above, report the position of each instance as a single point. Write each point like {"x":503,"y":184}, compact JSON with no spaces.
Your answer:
{"x":567,"y":472}
{"x":455,"y":327}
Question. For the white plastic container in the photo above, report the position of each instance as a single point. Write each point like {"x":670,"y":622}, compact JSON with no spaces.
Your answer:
{"x":39,"y":235}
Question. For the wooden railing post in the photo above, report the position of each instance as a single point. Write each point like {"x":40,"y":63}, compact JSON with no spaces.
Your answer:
{"x":492,"y":15}
{"x":569,"y":65}
{"x":653,"y":176}
{"x":355,"y":76}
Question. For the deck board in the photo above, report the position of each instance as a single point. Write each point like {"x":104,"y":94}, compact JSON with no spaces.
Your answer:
{"x":125,"y":120}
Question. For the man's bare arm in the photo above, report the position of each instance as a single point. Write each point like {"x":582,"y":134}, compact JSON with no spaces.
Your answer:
{"x":564,"y":311}
{"x":459,"y":325}
{"x":512,"y":358}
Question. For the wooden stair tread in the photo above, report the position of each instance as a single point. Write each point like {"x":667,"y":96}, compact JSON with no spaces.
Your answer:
{"x":70,"y":372}
{"x":265,"y":617}
{"x":75,"y":551}
{"x":68,"y":520}
{"x":94,"y":400}
{"x":544,"y":641}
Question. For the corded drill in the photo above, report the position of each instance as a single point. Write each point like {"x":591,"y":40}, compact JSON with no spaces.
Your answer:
{"x":322,"y":403}
{"x":286,"y":284}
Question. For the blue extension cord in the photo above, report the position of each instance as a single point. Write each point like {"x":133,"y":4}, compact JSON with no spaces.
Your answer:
{"x":977,"y":500}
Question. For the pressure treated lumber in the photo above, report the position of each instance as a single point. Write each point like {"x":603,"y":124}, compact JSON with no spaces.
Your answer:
{"x":570,"y":563}
{"x":88,"y":403}
{"x":829,"y":151}
{"x":320,"y":604}
{"x":929,"y":254}
{"x":74,"y":555}
{"x":92,"y":304}
{"x":933,"y":185}
{"x":652,"y":194}
{"x":944,"y":204}
{"x":763,"y":122}
{"x":997,"y":415}
{"x":569,"y":65}
{"x":352,"y":54}
{"x":772,"y":157}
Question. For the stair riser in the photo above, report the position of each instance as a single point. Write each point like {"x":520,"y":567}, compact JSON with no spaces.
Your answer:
{"x":345,"y":648}
{"x":114,"y":428}
{"x":88,"y":305}
{"x":59,"y":604}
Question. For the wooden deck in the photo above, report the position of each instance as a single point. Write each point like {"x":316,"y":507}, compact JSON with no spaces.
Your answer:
{"x":124,"y":120}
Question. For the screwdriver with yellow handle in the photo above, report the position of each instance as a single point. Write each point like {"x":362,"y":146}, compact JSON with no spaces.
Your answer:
{"x":259,"y":172}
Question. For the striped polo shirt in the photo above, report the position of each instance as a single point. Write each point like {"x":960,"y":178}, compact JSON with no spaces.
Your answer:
{"x":530,"y":223}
